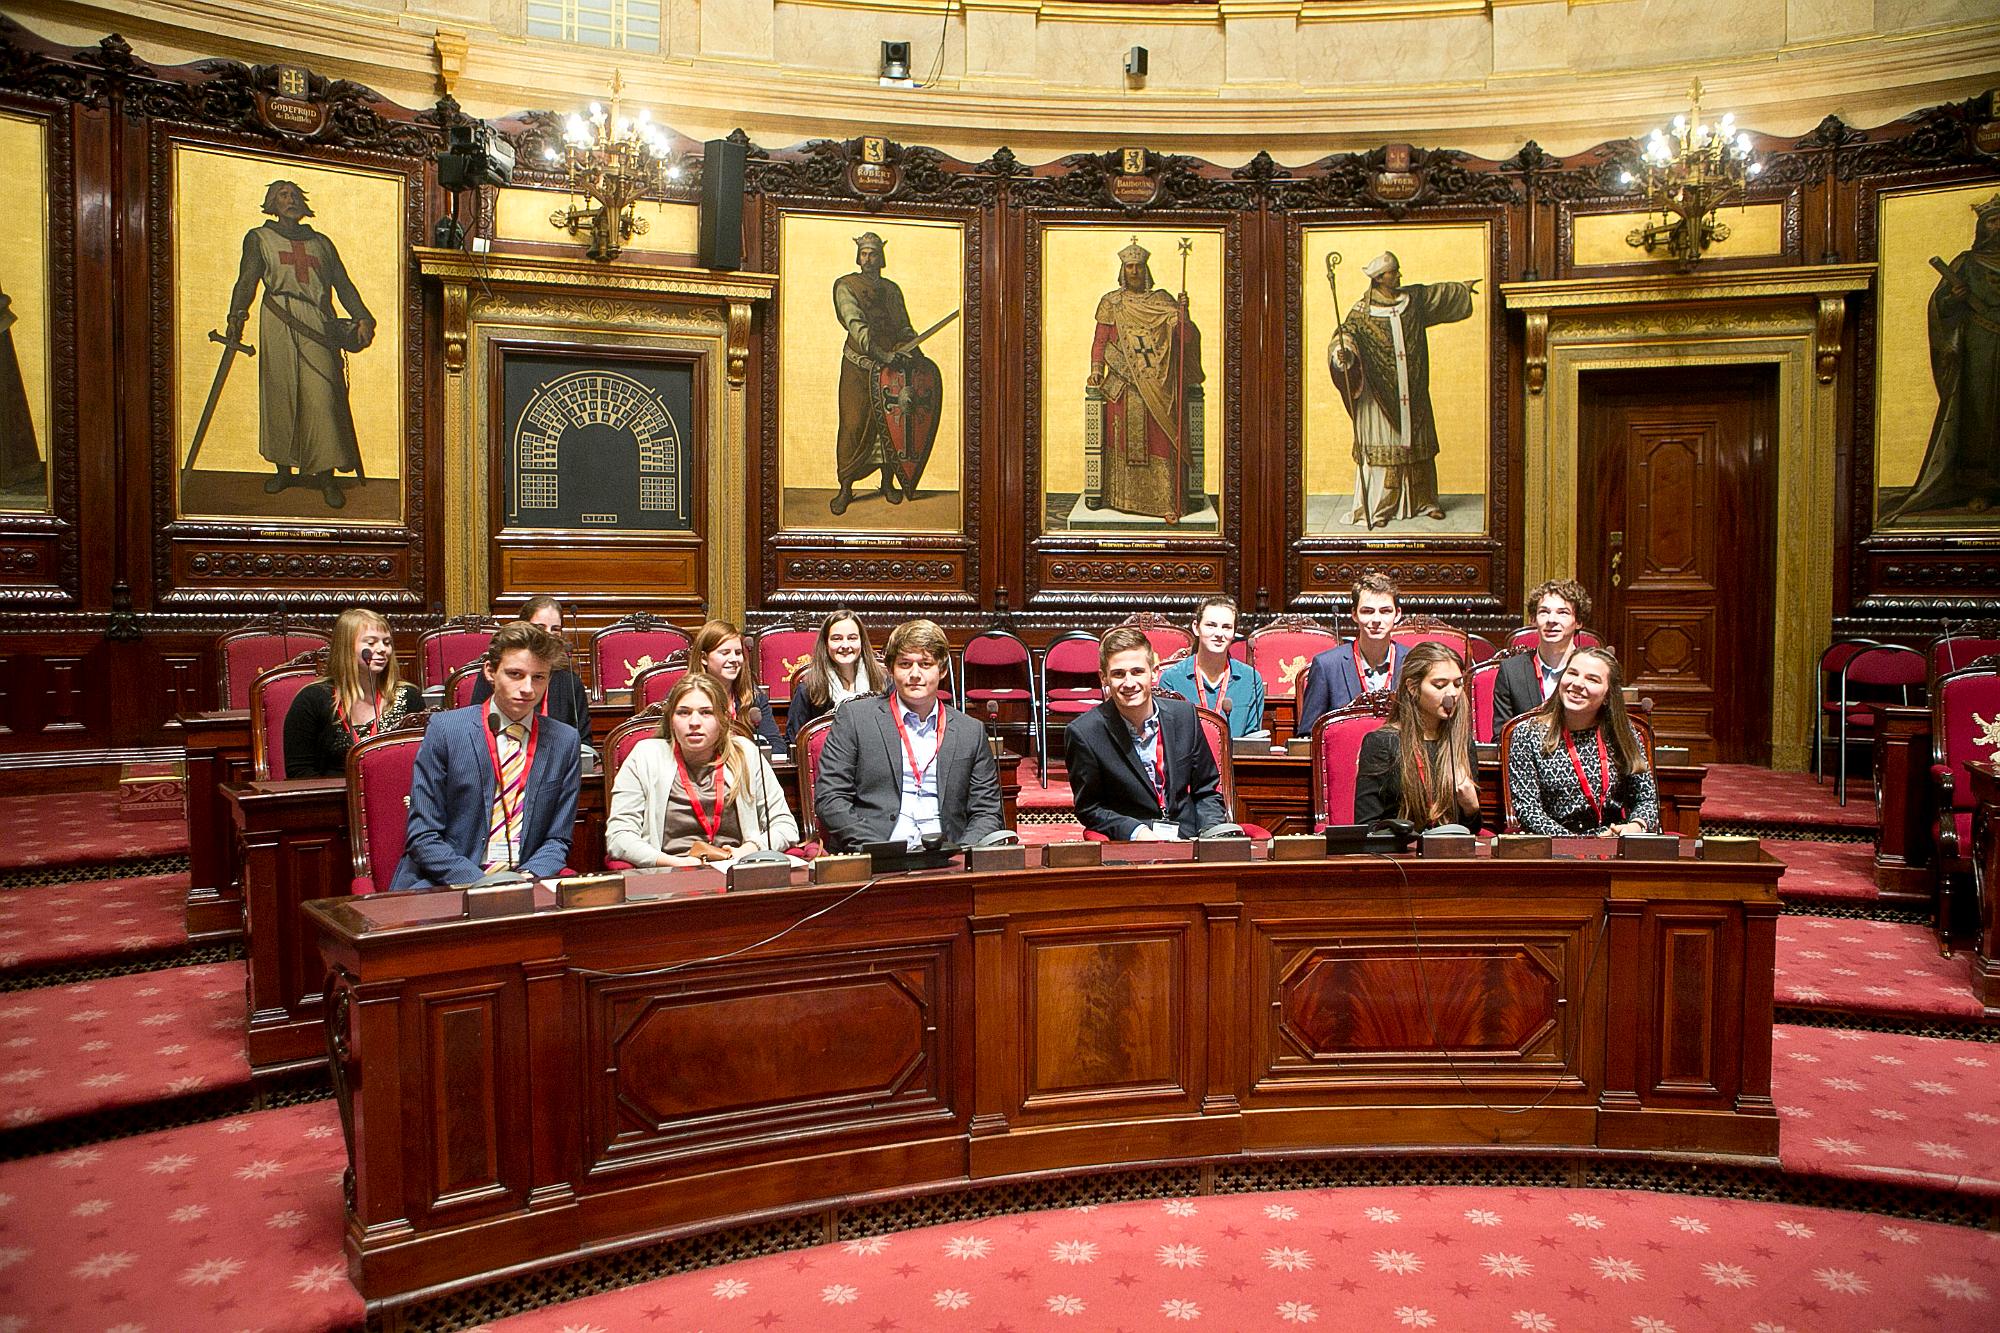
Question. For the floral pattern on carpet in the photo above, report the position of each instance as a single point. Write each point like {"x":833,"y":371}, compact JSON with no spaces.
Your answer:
{"x":50,"y":924}
{"x":1878,"y":968}
{"x":1841,"y":872}
{"x":1747,"y":794}
{"x":79,"y":827}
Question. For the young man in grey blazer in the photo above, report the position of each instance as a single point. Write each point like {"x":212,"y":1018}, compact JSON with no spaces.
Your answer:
{"x":906,"y":764}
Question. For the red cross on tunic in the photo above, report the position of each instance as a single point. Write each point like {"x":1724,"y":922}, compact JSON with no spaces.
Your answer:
{"x":300,"y":260}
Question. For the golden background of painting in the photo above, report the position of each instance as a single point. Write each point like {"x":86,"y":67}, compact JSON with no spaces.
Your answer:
{"x":24,"y":260}
{"x":1459,"y":352}
{"x":1914,"y":226}
{"x":1079,"y":265}
{"x":522,"y":214}
{"x":218,"y":197}
{"x":1756,"y":230}
{"x":927,"y":260}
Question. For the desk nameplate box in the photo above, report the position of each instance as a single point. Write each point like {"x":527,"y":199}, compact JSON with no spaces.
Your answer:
{"x":985,"y":859}
{"x":590,"y":891}
{"x":1068,"y":855}
{"x":1721,"y":847}
{"x":1222,"y":849}
{"x":1297,"y":847}
{"x":850,"y":868}
{"x":1447,"y":844}
{"x":1649,"y":847}
{"x":486,"y":901}
{"x":743,"y":879}
{"x":1522,"y":847}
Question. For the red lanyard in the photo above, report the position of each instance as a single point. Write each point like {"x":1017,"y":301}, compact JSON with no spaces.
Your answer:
{"x":710,"y":825}
{"x":1201,"y":695}
{"x":519,"y":794}
{"x":917,"y":771}
{"x":354,"y":736}
{"x":1160,"y":767}
{"x":1596,"y":799}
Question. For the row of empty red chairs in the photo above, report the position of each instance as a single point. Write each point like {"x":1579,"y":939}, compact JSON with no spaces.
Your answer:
{"x":1858,"y":677}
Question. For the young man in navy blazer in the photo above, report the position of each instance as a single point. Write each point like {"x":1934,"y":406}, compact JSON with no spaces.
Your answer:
{"x":495,"y":786}
{"x":1558,"y":607}
{"x":1139,"y":768}
{"x":1372,"y":661}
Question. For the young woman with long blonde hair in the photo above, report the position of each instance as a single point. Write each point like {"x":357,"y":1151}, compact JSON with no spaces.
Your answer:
{"x":362,"y":695}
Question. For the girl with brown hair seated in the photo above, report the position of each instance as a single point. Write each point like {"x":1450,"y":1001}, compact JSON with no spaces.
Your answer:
{"x":1419,"y":765}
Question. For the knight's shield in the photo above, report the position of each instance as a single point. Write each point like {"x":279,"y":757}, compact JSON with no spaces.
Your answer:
{"x":912,"y":398}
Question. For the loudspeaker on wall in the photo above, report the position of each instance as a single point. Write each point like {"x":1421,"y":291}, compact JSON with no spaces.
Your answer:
{"x":722,"y":204}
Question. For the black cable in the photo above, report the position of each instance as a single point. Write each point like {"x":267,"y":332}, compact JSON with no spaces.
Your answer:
{"x":937,"y":66}
{"x":682,"y":966}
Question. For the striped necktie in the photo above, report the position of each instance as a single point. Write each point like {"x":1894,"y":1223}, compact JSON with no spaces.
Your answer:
{"x":503,"y":827}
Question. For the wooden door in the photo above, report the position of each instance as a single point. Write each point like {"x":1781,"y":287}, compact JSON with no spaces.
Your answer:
{"x":1675,"y":540}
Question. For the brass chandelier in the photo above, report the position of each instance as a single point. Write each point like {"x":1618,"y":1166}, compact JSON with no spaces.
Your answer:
{"x":615,"y":161}
{"x":1690,"y":171}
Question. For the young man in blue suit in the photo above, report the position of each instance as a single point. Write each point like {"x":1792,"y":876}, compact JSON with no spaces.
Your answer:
{"x":495,"y":786}
{"x":1372,"y":661}
{"x":1139,"y":766}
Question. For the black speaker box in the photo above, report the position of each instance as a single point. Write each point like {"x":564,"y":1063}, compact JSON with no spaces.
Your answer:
{"x":722,"y":204}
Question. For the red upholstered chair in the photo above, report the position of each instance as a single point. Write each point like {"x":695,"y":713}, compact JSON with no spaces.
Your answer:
{"x":1483,"y":680}
{"x":1831,"y":663}
{"x":996,"y":671}
{"x":1528,"y":636}
{"x":1166,"y":637}
{"x":1280,"y":652}
{"x":1866,"y":683}
{"x":451,"y":645}
{"x":458,"y":686}
{"x":244,"y":654}
{"x":1071,"y":686}
{"x":271,"y":696}
{"x":652,"y":685}
{"x":1507,"y":821}
{"x":1479,"y":648}
{"x":1962,"y":645}
{"x":782,"y":651}
{"x":1413,"y":630}
{"x":1336,"y":755}
{"x":1965,"y":728}
{"x":811,"y":744}
{"x":618,"y":748}
{"x":1215,"y":730}
{"x":1177,"y":655}
{"x":624,"y":648}
{"x":379,"y":776}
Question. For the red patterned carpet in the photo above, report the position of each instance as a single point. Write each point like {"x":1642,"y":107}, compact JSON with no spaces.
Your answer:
{"x":1877,"y":1106}
{"x":1523,"y":1260}
{"x":233,"y":1224}
{"x":1876,"y":968}
{"x":77,"y":828}
{"x":94,"y":919}
{"x":121,"y":1041}
{"x":1744,"y":794}
{"x":1842,"y":872}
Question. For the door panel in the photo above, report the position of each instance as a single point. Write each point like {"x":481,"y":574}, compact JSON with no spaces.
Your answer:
{"x":1675,"y":532}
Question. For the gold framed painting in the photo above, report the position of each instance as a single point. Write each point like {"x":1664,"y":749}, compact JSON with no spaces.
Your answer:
{"x":871,"y":373}
{"x":1937,"y":392}
{"x":25,"y":332}
{"x":1396,"y":385}
{"x":1133,"y":390}
{"x":288,"y":339}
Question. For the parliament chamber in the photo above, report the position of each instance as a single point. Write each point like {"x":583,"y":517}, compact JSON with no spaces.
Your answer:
{"x":998,"y":665}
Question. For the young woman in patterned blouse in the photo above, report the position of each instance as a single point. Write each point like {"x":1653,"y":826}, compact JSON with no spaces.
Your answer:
{"x":1576,"y":765}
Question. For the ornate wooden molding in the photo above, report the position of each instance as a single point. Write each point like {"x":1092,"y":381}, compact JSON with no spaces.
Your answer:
{"x":1705,"y":285}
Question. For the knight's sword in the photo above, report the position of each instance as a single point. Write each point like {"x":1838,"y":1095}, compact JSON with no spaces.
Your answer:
{"x":230,"y":347}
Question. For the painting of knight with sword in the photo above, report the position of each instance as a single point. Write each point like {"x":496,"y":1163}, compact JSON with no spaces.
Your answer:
{"x":891,"y":393}
{"x":302,"y":342}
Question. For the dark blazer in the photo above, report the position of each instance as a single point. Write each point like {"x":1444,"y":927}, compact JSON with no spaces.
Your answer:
{"x":316,"y":745}
{"x":1112,"y":794}
{"x":1517,"y":689}
{"x":567,"y":700}
{"x":451,"y":801}
{"x":1378,"y":786}
{"x":1334,"y":683}
{"x":858,"y":793}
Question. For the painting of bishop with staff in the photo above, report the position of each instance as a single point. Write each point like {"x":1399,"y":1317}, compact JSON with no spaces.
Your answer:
{"x":1145,"y":362}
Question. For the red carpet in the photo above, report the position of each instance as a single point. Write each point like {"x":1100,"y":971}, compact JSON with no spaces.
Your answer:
{"x":1744,"y":794}
{"x":77,"y":828}
{"x":122,"y":1041}
{"x":1829,"y":871}
{"x":1870,"y":967}
{"x":1533,"y":1260}
{"x":234,"y":1224}
{"x":1876,"y":1106}
{"x":95,"y":919}
{"x":1034,"y":796}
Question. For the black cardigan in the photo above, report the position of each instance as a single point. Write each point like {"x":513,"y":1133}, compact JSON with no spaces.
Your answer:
{"x":316,"y":744}
{"x":1378,"y":787}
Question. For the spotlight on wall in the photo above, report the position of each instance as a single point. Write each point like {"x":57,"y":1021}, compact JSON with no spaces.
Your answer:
{"x":1135,"y":63}
{"x":895,"y":62}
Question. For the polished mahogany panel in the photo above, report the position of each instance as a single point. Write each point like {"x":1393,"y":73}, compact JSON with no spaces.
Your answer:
{"x":686,"y":1059}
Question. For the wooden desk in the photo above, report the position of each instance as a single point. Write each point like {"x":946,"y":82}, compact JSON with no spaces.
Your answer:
{"x":1986,"y":883}
{"x":520,"y":1090}
{"x":1906,"y":805}
{"x":293,"y":848}
{"x":218,"y":754}
{"x":1275,"y":790}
